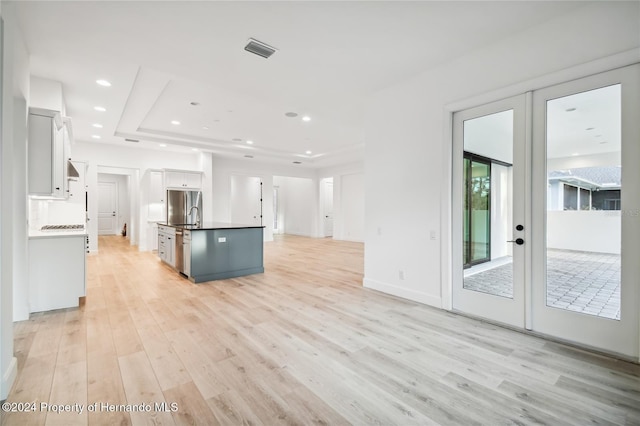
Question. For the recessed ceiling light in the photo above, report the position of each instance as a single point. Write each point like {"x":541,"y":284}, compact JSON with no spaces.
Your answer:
{"x":297,"y":162}
{"x":195,"y":149}
{"x":250,"y":142}
{"x":194,"y":103}
{"x":99,"y":108}
{"x":590,"y":128}
{"x":306,"y":118}
{"x":175,"y":122}
{"x":205,"y":128}
{"x":163,"y":145}
{"x":291,"y":114}
{"x":95,"y":136}
{"x":104,"y":83}
{"x":575,"y":154}
{"x":309,"y":153}
{"x":97,"y":125}
{"x":570,"y":109}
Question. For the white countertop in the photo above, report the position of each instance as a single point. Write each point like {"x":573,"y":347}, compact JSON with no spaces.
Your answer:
{"x":57,"y":234}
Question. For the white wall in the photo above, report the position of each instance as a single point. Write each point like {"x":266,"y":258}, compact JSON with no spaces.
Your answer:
{"x":597,"y":231}
{"x":350,"y":193}
{"x":222,"y":168}
{"x":407,"y":137}
{"x":501,"y":211}
{"x":298,"y":198}
{"x":14,"y":292}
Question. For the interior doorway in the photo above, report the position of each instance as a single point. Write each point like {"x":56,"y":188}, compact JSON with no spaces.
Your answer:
{"x":326,"y":187}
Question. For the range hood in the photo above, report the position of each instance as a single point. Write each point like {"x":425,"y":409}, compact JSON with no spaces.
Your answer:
{"x":72,"y":172}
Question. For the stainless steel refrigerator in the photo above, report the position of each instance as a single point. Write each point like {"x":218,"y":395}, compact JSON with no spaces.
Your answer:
{"x":184,"y":207}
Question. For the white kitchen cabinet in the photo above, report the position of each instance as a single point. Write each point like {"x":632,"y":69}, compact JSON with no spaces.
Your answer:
{"x":57,"y":272}
{"x":167,"y":245}
{"x":183,"y":180}
{"x":47,"y":153}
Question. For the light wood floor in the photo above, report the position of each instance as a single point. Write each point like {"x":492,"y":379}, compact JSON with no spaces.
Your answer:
{"x":302,"y":343}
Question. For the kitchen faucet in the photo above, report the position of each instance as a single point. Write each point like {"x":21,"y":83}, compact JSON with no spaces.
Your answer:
{"x":197,"y":224}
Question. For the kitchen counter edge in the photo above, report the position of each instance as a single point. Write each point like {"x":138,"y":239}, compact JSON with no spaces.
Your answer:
{"x":211,"y":226}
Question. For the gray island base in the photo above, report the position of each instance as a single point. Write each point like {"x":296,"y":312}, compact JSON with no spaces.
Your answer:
{"x":216,"y":251}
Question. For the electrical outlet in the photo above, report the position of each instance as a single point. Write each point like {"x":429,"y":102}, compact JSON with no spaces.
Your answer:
{"x":222,"y":239}
{"x":432,"y":235}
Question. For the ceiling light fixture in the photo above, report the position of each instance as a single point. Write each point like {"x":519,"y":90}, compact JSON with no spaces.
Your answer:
{"x":195,"y":149}
{"x":97,"y":125}
{"x":175,"y":122}
{"x":308,"y":152}
{"x":103,"y":83}
{"x":291,"y":114}
{"x":297,"y":162}
{"x":236,"y":140}
{"x":194,"y":103}
{"x":575,"y":154}
{"x":248,"y":156}
{"x":205,"y":128}
{"x":250,"y":142}
{"x":163,"y":145}
{"x":99,"y":108}
{"x":95,"y":136}
{"x":590,"y":128}
{"x":306,"y":118}
{"x":259,"y":48}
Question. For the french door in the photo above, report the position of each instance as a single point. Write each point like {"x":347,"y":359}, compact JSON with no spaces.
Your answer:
{"x":563,"y":209}
{"x":489,"y":200}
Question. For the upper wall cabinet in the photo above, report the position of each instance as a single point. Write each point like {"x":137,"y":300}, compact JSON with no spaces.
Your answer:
{"x":184,"y":180}
{"x":48,"y":151}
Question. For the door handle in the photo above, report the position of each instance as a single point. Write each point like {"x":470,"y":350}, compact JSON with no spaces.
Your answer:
{"x":518,"y":241}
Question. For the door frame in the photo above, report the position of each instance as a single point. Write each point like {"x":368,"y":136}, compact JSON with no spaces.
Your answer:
{"x":448,"y":232}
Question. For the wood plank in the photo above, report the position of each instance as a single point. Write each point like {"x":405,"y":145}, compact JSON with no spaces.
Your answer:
{"x":302,"y":343}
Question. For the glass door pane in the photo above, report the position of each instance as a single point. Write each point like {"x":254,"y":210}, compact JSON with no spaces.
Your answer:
{"x":583,"y":238}
{"x":488,"y":144}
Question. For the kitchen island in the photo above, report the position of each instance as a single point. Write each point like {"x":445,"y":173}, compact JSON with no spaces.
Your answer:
{"x":215,"y":250}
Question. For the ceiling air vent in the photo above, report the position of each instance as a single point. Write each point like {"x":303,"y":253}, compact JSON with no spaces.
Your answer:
{"x":131,"y":140}
{"x":259,"y":48}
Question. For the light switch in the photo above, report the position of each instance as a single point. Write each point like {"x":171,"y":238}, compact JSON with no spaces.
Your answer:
{"x":222,"y":239}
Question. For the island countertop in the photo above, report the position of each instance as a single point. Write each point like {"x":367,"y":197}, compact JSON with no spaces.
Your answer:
{"x":211,"y":226}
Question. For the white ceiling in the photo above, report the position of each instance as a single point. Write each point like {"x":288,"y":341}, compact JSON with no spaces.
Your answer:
{"x":160,"y":56}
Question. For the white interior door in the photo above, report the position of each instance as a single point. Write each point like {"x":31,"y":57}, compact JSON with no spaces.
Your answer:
{"x":489,"y":200}
{"x":586,"y":203}
{"x":107,"y":208}
{"x":328,"y":207}
{"x":246,"y":200}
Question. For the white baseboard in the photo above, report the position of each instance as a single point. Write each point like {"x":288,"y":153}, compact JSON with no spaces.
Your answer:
{"x":8,"y":378}
{"x":404,"y":293}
